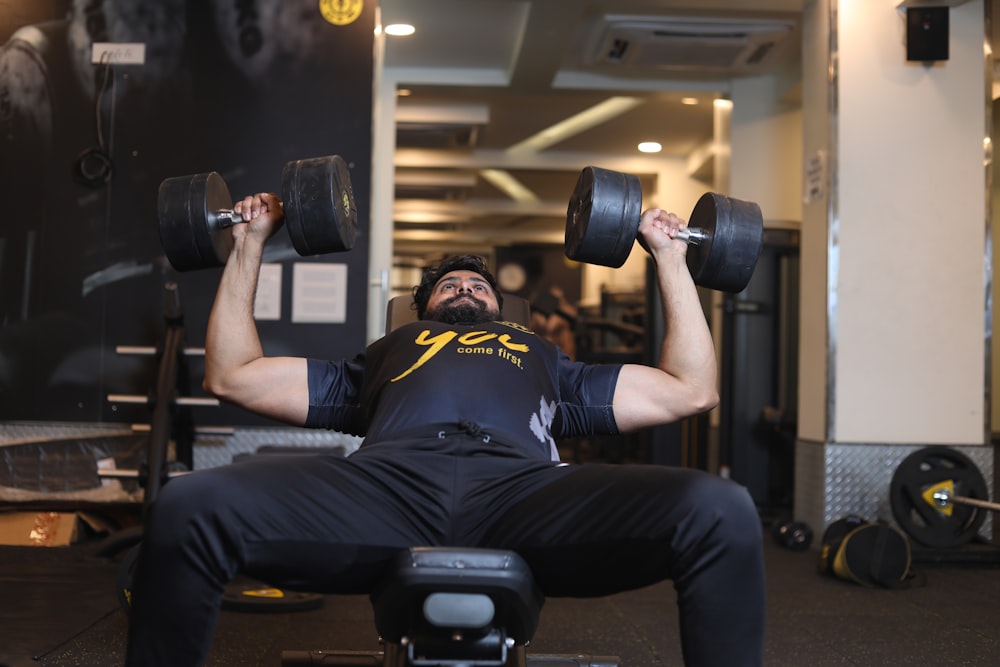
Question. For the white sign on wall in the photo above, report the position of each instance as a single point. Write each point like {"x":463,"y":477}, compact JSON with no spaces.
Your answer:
{"x":319,"y":293}
{"x":267,"y":304}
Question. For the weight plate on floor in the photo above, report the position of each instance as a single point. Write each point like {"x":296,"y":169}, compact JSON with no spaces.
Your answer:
{"x":924,"y":521}
{"x":602,"y":219}
{"x":255,"y":597}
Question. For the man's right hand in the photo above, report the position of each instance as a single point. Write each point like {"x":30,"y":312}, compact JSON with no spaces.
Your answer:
{"x":263,"y":214}
{"x":658,"y":230}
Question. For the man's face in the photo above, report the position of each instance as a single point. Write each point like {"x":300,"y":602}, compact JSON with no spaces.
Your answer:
{"x":462,"y":296}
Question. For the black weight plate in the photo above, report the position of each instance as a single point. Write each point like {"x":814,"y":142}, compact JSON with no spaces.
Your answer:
{"x":254,"y":597}
{"x":578,"y":215}
{"x":925,"y":522}
{"x":735,"y":229}
{"x":189,"y":227}
{"x":320,"y":211}
{"x":602,"y":219}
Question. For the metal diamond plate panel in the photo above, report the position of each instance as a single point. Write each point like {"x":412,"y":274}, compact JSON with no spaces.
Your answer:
{"x":14,"y":433}
{"x":833,"y":480}
{"x":212,"y":451}
{"x":209,"y":450}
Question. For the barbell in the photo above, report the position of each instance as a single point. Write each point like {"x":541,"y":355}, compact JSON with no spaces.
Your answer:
{"x":945,"y":498}
{"x":196,"y":214}
{"x":725,"y":235}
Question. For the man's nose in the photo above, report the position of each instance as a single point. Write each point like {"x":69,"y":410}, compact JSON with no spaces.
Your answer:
{"x":465,"y":287}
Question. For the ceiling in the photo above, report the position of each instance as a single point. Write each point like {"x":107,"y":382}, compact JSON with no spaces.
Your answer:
{"x":532,"y":91}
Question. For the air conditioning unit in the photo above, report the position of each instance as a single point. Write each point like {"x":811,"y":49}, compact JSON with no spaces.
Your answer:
{"x":705,"y":44}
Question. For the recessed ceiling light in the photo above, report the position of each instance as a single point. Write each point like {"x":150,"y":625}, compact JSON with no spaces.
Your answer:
{"x":690,"y":101}
{"x":650,"y":147}
{"x":404,"y":92}
{"x":400,"y":29}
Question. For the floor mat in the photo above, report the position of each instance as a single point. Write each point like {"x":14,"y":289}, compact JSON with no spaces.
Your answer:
{"x":57,"y":593}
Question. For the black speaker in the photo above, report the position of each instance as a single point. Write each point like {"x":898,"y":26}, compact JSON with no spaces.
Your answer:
{"x":926,"y":33}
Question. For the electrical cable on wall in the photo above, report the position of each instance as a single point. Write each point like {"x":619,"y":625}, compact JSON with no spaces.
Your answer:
{"x":93,"y":165}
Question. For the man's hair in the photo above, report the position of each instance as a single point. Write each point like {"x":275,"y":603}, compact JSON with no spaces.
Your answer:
{"x":432,"y":274}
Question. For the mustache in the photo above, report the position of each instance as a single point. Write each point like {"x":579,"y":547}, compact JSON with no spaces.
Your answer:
{"x":458,"y":297}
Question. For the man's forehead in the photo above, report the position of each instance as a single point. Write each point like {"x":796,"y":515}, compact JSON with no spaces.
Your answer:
{"x":461,"y":274}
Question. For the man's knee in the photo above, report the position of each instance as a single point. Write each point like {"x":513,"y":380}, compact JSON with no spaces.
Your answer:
{"x":725,"y":510}
{"x":180,"y":507}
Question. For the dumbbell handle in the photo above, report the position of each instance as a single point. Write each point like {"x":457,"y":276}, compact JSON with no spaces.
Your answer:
{"x":226,"y":217}
{"x":692,"y":235}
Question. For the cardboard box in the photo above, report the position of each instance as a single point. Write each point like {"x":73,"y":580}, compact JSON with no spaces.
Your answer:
{"x":39,"y":529}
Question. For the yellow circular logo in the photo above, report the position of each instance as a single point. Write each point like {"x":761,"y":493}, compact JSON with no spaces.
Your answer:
{"x":341,"y":12}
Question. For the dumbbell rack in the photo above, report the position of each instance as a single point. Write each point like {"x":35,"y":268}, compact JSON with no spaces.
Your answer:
{"x":171,"y":420}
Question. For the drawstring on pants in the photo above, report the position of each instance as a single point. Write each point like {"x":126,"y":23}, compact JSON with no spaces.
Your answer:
{"x":470,"y":428}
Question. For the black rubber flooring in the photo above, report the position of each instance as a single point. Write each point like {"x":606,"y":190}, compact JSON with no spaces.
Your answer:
{"x":58,"y":607}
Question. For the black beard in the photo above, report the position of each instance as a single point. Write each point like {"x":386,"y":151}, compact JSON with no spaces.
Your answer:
{"x":462,"y":313}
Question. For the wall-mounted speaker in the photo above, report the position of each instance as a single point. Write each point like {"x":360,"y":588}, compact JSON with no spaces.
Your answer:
{"x":926,"y":33}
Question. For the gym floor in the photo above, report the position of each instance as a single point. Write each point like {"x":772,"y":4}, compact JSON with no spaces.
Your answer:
{"x":58,"y":607}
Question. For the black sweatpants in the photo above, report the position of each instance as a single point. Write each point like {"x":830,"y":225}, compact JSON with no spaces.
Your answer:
{"x":330,"y":524}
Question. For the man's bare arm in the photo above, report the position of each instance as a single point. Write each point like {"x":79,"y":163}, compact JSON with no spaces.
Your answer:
{"x":236,"y":369}
{"x":685,"y":381}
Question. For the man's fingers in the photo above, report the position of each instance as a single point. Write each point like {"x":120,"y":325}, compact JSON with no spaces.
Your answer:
{"x":252,"y":206}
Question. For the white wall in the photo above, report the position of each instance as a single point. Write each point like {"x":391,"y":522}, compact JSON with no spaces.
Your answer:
{"x":910,"y":350}
{"x":766,"y":161}
{"x":905,"y":226}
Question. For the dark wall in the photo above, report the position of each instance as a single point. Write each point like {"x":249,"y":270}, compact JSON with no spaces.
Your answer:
{"x":234,"y":86}
{"x":759,"y":375}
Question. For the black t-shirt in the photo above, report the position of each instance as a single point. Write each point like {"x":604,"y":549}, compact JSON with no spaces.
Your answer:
{"x":427,"y":377}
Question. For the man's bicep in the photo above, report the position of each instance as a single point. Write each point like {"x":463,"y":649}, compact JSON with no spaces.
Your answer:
{"x":276,"y":387}
{"x":644,"y":397}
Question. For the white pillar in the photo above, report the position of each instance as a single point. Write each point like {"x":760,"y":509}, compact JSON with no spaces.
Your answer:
{"x":381,"y":226}
{"x":895,"y":264}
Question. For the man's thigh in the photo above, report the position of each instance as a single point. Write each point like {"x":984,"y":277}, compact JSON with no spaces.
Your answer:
{"x":316,"y":522}
{"x":597,"y":529}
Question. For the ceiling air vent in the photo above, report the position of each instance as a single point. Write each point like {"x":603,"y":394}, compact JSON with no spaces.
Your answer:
{"x":688,"y":43}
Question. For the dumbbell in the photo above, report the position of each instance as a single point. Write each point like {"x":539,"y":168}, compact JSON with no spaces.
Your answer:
{"x":794,"y":535}
{"x":725,"y":235}
{"x":196,"y":213}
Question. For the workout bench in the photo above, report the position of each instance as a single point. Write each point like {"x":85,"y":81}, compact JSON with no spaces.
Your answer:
{"x":453,"y":606}
{"x":441,"y":606}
